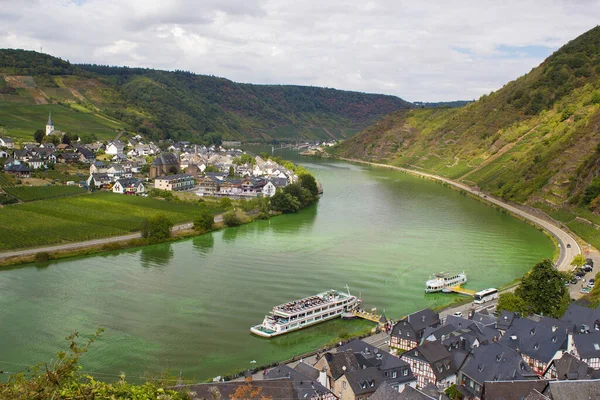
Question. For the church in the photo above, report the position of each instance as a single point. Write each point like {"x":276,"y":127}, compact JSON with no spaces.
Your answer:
{"x":49,"y":125}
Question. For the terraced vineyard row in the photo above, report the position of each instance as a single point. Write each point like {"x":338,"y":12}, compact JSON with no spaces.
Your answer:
{"x":32,"y":193}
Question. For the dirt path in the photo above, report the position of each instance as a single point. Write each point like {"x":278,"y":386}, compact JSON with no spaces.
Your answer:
{"x":90,"y":243}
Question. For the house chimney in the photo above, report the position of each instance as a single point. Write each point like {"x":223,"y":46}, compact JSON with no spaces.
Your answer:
{"x":323,"y":378}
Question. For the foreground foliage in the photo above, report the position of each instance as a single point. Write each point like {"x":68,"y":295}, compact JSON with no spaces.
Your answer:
{"x":542,"y":291}
{"x":62,"y":379}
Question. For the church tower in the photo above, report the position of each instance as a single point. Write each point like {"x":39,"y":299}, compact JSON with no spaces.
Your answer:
{"x":49,"y":125}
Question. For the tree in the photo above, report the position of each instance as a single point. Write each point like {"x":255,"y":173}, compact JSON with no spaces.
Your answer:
{"x":511,"y":302}
{"x":301,"y":194}
{"x":231,"y":171}
{"x":157,"y":227}
{"x":225,"y":203}
{"x":173,"y":170}
{"x":39,"y":135}
{"x":543,"y":290}
{"x":578,"y":261}
{"x":307,"y":181}
{"x":284,"y":202}
{"x":204,"y":221}
{"x":211,"y":168}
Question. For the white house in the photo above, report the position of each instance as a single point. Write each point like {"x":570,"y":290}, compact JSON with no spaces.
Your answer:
{"x":7,"y":142}
{"x":4,"y":154}
{"x":36,"y":163}
{"x":269,"y":189}
{"x":98,"y":180}
{"x":114,"y":148}
{"x":128,"y":186}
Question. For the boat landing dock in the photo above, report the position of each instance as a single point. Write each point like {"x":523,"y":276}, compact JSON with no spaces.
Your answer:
{"x":370,"y":316}
{"x":463,"y":291}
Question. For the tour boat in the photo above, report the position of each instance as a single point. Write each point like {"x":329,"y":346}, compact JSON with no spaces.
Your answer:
{"x":305,"y":312}
{"x":442,"y":281}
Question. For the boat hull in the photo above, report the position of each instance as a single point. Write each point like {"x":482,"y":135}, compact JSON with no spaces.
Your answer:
{"x":258,"y":332}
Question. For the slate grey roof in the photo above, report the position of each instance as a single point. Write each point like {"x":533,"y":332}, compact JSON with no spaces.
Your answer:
{"x":166,"y":159}
{"x":364,"y":380}
{"x":577,"y":316}
{"x":512,"y":390}
{"x":506,"y":319}
{"x":437,"y":356}
{"x":410,"y":393}
{"x":588,"y":344}
{"x":307,"y":370}
{"x":173,"y":177}
{"x":573,"y":390}
{"x":125,"y":182}
{"x":304,"y":386}
{"x":535,"y":340}
{"x":436,"y":333}
{"x":496,"y":362}
{"x":337,"y":362}
{"x":386,"y":392}
{"x":484,"y":319}
{"x":413,"y":326}
{"x":269,"y":388}
{"x":570,"y":368}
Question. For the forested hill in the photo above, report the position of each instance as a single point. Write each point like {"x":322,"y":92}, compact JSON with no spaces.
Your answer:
{"x":183,"y":105}
{"x":534,"y":141}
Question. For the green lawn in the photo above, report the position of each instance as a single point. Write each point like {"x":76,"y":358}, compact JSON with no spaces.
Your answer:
{"x":84,"y":217}
{"x":21,"y":121}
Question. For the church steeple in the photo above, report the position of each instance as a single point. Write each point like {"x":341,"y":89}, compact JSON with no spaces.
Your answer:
{"x":49,"y":125}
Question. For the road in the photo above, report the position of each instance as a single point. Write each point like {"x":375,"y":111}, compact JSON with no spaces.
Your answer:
{"x":95,"y":242}
{"x":568,"y":246}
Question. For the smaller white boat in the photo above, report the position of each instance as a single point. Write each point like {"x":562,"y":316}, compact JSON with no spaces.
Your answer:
{"x":442,"y":281}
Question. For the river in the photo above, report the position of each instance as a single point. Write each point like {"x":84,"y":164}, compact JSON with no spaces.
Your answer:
{"x":186,"y":307}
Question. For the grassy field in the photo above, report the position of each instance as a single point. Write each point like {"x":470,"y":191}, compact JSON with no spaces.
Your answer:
{"x":21,"y":121}
{"x":84,"y":217}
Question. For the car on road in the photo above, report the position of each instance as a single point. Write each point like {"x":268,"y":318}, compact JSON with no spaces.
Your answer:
{"x":585,"y":290}
{"x":458,"y":314}
{"x":568,"y":245}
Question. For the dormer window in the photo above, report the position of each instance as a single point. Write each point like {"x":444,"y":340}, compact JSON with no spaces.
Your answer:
{"x":416,"y":353}
{"x":532,"y":331}
{"x":405,"y":372}
{"x":498,"y":357}
{"x":536,"y":346}
{"x":553,"y":339}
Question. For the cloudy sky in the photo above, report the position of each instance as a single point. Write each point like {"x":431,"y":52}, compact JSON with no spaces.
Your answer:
{"x":418,"y":50}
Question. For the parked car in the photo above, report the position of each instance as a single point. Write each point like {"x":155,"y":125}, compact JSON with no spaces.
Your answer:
{"x":580,"y":273}
{"x":587,"y":268}
{"x":585,"y":290}
{"x":578,"y":277}
{"x":573,"y":281}
{"x":589,"y":261}
{"x":458,"y":314}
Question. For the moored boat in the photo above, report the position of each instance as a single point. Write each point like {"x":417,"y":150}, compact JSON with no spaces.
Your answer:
{"x":298,"y":314}
{"x":442,"y":281}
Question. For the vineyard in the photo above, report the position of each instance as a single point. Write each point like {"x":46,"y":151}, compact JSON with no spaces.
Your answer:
{"x":79,"y":218}
{"x":32,"y":193}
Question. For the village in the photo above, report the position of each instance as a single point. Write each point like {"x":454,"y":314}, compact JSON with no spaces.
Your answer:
{"x":427,"y":355}
{"x":133,"y":166}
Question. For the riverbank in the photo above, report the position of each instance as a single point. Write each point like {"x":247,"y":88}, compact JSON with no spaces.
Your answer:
{"x":568,"y":246}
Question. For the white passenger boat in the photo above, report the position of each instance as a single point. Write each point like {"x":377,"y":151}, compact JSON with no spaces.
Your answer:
{"x":305,"y":312}
{"x":442,"y":281}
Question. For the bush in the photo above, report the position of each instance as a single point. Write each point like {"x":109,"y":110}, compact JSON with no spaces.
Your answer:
{"x":230,"y":218}
{"x":42,"y":257}
{"x":225,"y":203}
{"x":204,"y":221}
{"x":157,"y":227}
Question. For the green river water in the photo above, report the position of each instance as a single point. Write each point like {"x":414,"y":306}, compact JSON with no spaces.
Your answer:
{"x":187,"y":306}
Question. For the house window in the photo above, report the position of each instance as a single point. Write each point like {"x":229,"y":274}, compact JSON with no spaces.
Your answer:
{"x":344,"y":385}
{"x":405,"y":372}
{"x":394,"y":374}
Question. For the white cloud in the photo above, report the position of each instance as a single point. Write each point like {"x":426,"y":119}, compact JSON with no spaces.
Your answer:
{"x":429,"y":51}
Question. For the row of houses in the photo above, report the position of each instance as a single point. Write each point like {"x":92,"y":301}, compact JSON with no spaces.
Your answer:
{"x":220,"y":185}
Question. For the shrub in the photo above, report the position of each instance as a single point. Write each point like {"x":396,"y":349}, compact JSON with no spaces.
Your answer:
{"x":42,"y":257}
{"x":230,"y":218}
{"x":204,"y":221}
{"x":157,"y":227}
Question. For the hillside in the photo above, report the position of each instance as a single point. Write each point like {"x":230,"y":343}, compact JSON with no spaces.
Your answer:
{"x":182,"y":105}
{"x":535,"y":141}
